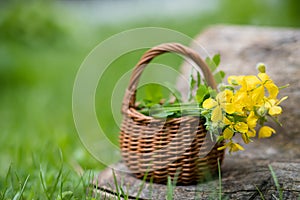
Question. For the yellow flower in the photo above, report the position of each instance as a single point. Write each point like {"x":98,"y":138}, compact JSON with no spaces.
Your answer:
{"x":269,"y":85}
{"x":250,"y":83}
{"x":246,"y":138}
{"x":251,"y":122}
{"x":247,"y":100}
{"x":216,"y":114}
{"x":253,"y":88}
{"x":233,"y":147}
{"x":243,"y":100}
{"x":241,"y":127}
{"x":228,"y":133}
{"x":272,"y":105}
{"x":235,"y":80}
{"x":232,"y":127}
{"x":264,"y":82}
{"x":265,"y":132}
{"x":223,"y":102}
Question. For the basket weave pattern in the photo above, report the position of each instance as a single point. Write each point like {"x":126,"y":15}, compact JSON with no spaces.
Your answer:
{"x":167,"y":147}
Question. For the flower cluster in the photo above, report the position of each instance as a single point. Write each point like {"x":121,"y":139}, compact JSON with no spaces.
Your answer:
{"x":241,"y":105}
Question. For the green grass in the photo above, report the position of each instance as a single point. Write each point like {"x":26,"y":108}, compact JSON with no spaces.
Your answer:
{"x":278,"y":187}
{"x":41,"y":156}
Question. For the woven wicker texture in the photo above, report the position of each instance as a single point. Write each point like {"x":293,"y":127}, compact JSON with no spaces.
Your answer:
{"x":167,"y":147}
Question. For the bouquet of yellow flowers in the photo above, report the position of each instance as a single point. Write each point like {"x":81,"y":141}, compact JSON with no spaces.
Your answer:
{"x":236,"y":110}
{"x":242,"y":104}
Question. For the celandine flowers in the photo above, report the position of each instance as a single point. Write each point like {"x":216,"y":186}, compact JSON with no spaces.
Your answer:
{"x":243,"y":104}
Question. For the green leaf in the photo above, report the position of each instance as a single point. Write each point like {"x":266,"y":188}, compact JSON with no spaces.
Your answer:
{"x":220,"y":138}
{"x":192,"y":81}
{"x":214,"y":62}
{"x":212,"y":93}
{"x":162,"y":114}
{"x":198,"y":79}
{"x":211,"y":64}
{"x":192,"y":85}
{"x":202,"y":91}
{"x":153,"y":93}
{"x":219,"y":76}
{"x":157,"y":111}
{"x":217,"y":59}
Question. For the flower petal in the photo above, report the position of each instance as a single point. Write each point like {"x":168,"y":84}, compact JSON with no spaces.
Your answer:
{"x":241,"y":127}
{"x":258,"y":94}
{"x":251,"y":132}
{"x":235,"y":147}
{"x":222,"y":147}
{"x":275,"y":110}
{"x":209,"y":103}
{"x":265,"y":132}
{"x":281,"y":100}
{"x":272,"y":89}
{"x":229,"y":108}
{"x":226,"y":121}
{"x":216,"y":114}
{"x":251,"y":120}
{"x":250,"y":82}
{"x":228,"y":133}
{"x":235,"y":80}
{"x":245,"y":138}
{"x":263,"y":77}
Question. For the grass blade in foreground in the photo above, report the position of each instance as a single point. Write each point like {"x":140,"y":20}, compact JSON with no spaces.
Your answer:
{"x":276,"y":183}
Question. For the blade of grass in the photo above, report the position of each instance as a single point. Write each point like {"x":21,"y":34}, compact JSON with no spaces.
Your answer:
{"x":276,"y":182}
{"x":19,"y":195}
{"x":176,"y":177}
{"x":6,"y":182}
{"x":89,"y":180}
{"x":276,"y":198}
{"x":116,"y":185}
{"x":20,"y":185}
{"x":220,"y":180}
{"x":142,"y":185}
{"x":23,"y":188}
{"x":44,"y":184}
{"x":123,"y":194}
{"x":260,"y":193}
{"x":171,"y":185}
{"x":91,"y":191}
{"x":58,"y":177}
{"x":169,"y":189}
{"x":56,"y":180}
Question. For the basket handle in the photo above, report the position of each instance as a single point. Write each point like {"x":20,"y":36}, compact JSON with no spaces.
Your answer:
{"x":129,"y":98}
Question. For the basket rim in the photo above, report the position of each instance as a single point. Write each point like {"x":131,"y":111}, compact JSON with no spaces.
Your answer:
{"x":130,"y":93}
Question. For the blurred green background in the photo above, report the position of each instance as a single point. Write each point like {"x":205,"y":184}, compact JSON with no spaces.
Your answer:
{"x":43,"y":43}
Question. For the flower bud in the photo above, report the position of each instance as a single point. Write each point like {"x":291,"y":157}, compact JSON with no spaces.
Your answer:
{"x":221,"y":87}
{"x":261,"y":67}
{"x":262,"y":111}
{"x":204,"y":112}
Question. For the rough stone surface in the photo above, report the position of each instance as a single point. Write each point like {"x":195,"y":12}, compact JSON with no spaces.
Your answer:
{"x":241,"y":179}
{"x":246,"y":174}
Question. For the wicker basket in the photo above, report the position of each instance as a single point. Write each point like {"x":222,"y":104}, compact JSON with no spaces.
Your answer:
{"x":174,"y":147}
